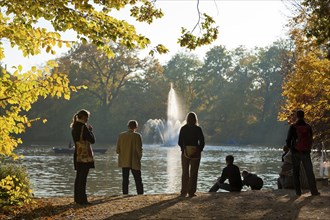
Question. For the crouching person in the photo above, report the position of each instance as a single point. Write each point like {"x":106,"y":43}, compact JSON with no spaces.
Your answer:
{"x":232,"y":173}
{"x":252,"y":180}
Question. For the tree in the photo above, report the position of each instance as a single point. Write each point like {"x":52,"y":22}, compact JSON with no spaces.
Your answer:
{"x":153,"y":90}
{"x":17,"y":94}
{"x":104,"y":77}
{"x":306,"y":86}
{"x":274,"y":62}
{"x":313,"y":16}
{"x":110,"y":80}
{"x":91,"y":21}
{"x":142,"y":98}
{"x":238,"y":95}
{"x":182,"y":71}
{"x":210,"y":88}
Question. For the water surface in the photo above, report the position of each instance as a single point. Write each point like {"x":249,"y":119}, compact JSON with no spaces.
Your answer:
{"x":53,"y":174}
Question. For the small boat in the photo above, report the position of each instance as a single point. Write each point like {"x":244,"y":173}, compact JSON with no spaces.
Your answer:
{"x":71,"y":150}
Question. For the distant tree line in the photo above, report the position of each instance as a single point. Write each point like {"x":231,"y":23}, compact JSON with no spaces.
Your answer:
{"x":236,"y":93}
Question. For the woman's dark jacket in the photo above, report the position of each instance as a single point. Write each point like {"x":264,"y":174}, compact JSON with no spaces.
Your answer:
{"x":191,"y":135}
{"x":87,"y":135}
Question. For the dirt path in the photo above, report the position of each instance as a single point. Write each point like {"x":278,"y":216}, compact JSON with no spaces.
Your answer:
{"x":264,"y":204}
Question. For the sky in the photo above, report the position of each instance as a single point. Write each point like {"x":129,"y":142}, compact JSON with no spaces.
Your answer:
{"x":251,"y":23}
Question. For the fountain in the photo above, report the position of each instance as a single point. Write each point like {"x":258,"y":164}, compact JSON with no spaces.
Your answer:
{"x":164,"y":132}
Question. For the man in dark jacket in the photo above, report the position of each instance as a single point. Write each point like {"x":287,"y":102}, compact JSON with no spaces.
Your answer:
{"x":252,"y":180}
{"x":299,"y":140}
{"x":232,"y":173}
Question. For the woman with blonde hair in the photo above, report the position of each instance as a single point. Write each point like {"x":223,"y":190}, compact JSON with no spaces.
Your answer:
{"x":191,"y":142}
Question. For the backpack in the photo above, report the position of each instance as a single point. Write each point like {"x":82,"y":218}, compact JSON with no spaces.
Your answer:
{"x":304,"y":137}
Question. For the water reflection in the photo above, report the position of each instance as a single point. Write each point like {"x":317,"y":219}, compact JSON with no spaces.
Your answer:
{"x":173,"y":169}
{"x":53,"y":175}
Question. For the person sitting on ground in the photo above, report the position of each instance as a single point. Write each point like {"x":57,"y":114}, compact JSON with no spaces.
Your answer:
{"x":252,"y":180}
{"x":233,"y":174}
{"x":285,"y":180}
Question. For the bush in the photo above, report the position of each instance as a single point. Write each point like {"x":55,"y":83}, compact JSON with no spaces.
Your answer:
{"x":14,"y":185}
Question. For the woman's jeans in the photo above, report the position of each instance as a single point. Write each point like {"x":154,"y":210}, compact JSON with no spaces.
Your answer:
{"x":189,"y":175}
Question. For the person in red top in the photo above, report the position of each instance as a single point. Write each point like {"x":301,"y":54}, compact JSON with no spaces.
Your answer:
{"x":299,"y":140}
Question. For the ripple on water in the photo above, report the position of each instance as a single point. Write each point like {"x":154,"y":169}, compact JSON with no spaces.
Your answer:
{"x":53,"y":175}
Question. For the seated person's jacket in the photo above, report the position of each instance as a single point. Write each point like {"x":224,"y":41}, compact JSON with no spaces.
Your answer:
{"x":232,"y":173}
{"x":253,"y":181}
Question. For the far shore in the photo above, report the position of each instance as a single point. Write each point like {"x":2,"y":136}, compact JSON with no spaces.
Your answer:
{"x":263,"y":204}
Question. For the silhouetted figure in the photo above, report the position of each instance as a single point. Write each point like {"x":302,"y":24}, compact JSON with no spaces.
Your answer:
{"x":285,"y":180}
{"x":191,"y":142}
{"x":252,"y":180}
{"x":233,"y":174}
{"x":299,"y":140}
{"x":82,"y":131}
{"x":129,"y":150}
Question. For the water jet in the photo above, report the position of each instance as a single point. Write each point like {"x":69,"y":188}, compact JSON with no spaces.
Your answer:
{"x":161,"y":131}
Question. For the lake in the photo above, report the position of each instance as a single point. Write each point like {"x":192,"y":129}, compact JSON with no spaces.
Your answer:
{"x":53,"y":174}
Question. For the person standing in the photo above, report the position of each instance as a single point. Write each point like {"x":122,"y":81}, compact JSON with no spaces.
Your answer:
{"x":232,"y":173}
{"x":299,"y":140}
{"x":129,"y":150}
{"x":83,"y":160}
{"x":191,"y":142}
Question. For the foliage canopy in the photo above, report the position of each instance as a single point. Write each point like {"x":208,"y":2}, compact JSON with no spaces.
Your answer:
{"x":92,"y":22}
{"x":307,"y":86}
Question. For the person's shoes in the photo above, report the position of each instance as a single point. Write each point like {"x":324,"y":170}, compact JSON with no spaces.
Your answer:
{"x":182,"y":195}
{"x":192,"y":195}
{"x":316,"y":194}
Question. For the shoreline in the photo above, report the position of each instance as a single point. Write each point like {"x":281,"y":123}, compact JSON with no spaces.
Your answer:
{"x":263,"y":204}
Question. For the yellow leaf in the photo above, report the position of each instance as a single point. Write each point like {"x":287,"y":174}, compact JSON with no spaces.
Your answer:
{"x":46,"y":69}
{"x":67,"y":96}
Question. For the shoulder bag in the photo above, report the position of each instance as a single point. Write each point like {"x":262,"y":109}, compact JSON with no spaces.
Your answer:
{"x":84,"y":149}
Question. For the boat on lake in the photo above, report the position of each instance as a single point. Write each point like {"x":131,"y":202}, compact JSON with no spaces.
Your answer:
{"x":71,"y":150}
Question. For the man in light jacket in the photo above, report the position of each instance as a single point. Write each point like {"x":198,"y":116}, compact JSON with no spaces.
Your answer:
{"x":129,"y":150}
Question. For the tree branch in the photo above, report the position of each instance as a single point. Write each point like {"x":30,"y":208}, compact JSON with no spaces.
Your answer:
{"x":199,"y":16}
